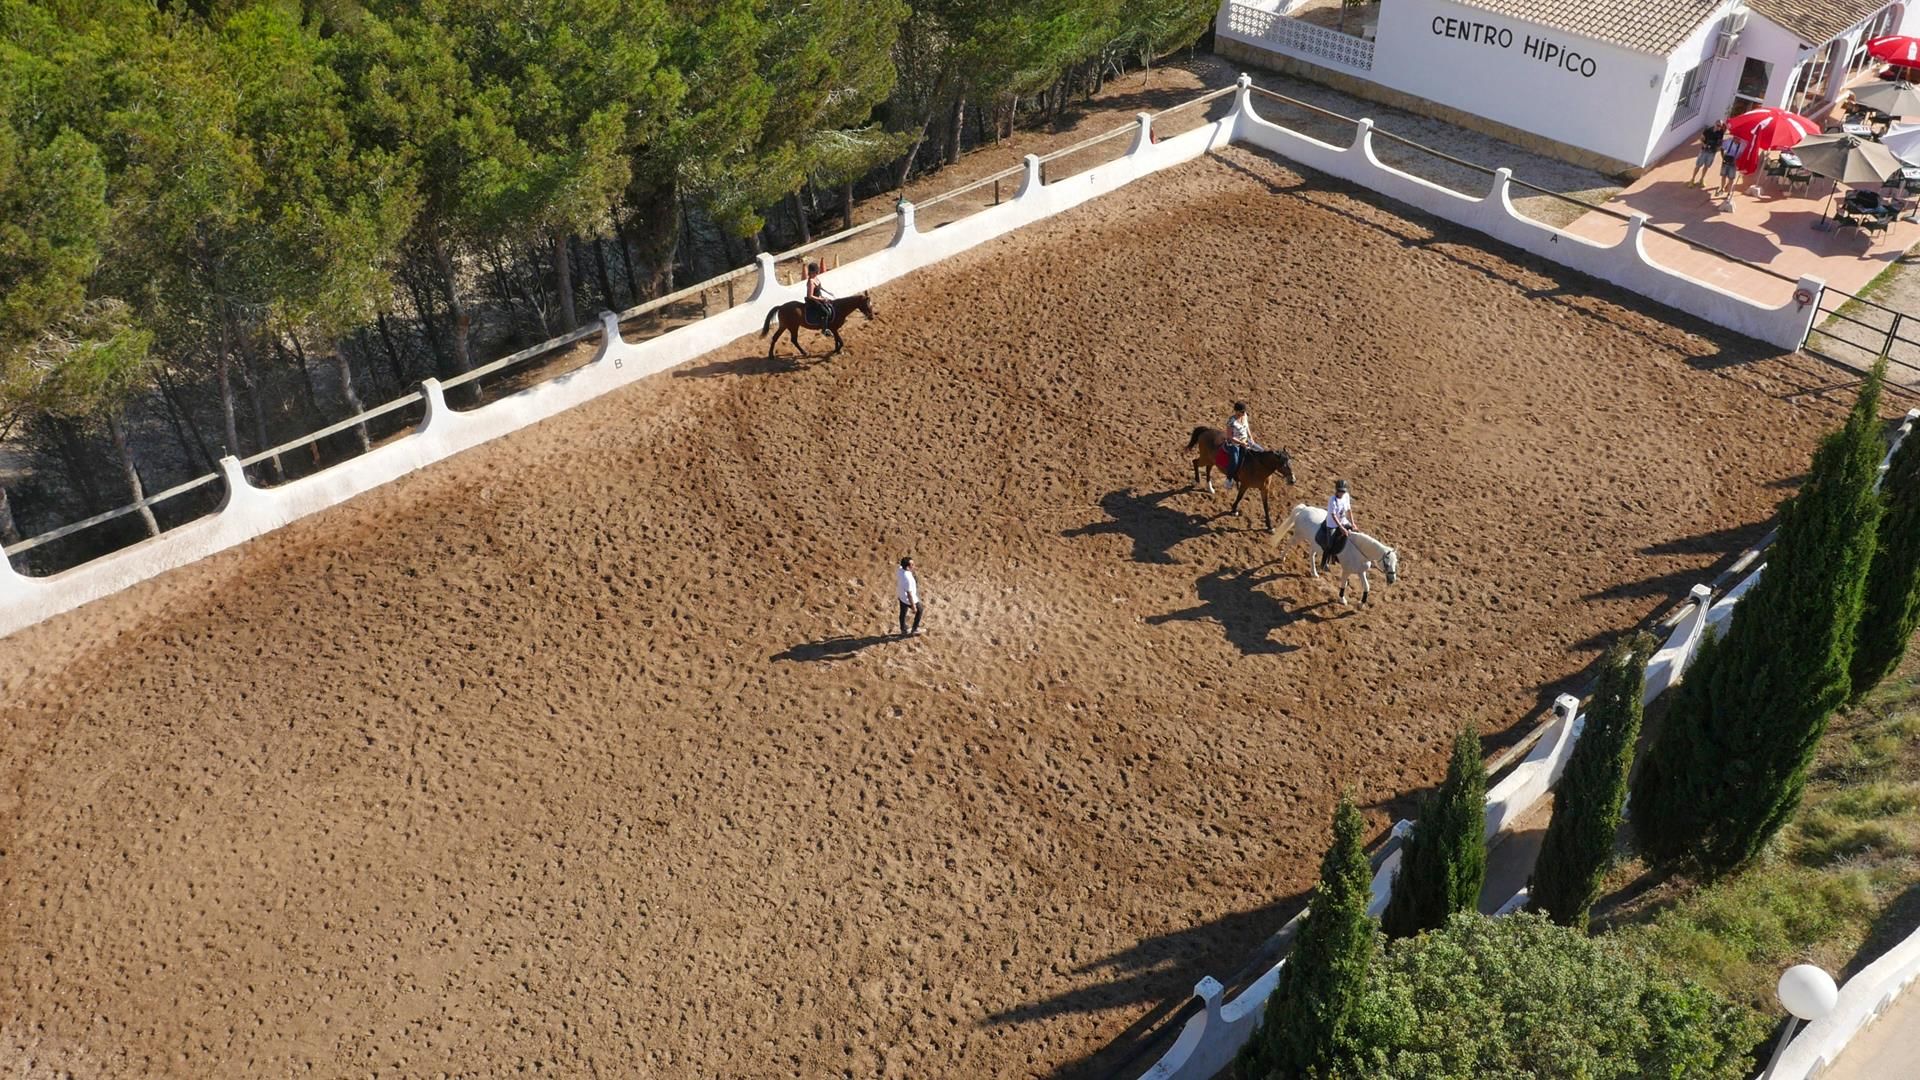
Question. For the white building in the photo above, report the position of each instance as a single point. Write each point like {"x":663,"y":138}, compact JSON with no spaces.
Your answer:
{"x":1616,"y":84}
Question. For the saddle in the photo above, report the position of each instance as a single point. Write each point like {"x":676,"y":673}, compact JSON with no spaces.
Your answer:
{"x":1227,"y":459}
{"x":816,"y":314}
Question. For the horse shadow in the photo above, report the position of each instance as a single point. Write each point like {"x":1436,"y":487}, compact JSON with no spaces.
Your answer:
{"x":1246,"y":615}
{"x":838,"y":647}
{"x":755,"y":364}
{"x":1153,"y":527}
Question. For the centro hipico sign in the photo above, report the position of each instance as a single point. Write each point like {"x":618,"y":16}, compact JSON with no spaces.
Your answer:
{"x":1539,"y":48}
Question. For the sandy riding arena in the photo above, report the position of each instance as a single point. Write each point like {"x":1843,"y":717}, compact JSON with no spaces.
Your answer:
{"x":588,"y":752}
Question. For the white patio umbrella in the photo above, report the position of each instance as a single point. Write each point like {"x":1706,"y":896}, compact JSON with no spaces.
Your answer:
{"x":1904,"y":141}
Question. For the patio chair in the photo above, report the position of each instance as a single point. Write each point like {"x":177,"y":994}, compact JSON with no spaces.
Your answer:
{"x":1875,"y":225}
{"x":1798,"y":181}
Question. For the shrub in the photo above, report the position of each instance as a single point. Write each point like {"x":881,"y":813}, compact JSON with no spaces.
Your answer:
{"x":1892,"y":606}
{"x":1578,"y":848}
{"x":1310,"y":1011}
{"x":1444,"y":862}
{"x":1730,"y":764}
{"x":1520,"y":997}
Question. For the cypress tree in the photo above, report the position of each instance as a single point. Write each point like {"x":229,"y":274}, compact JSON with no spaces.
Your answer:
{"x":1730,"y":764}
{"x":1578,"y":848}
{"x":1892,"y":606}
{"x":1444,"y":862}
{"x":1312,"y":1008}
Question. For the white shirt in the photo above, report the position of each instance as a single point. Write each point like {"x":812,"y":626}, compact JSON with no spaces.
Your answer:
{"x":907,"y":586}
{"x":1340,"y":509}
{"x":1239,"y":430}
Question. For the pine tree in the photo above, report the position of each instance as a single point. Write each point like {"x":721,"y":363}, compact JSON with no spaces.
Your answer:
{"x":1729,"y":765}
{"x":1444,"y":862}
{"x":1312,"y":1007}
{"x":1578,"y":848}
{"x":1892,"y":607}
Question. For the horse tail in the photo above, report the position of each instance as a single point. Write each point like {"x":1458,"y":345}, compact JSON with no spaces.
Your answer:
{"x":771,"y":312}
{"x":1198,"y":433}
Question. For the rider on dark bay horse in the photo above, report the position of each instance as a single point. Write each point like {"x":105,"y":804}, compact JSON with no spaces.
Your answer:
{"x":819,"y":300}
{"x":1239,"y":439}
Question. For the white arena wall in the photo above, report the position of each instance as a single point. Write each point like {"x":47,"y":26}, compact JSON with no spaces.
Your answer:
{"x":249,"y":511}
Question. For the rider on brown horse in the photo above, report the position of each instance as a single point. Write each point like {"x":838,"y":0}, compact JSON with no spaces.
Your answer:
{"x":819,"y":300}
{"x":1239,"y":439}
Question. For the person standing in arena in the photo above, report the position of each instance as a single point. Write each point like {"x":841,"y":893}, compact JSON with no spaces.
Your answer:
{"x":907,"y":591}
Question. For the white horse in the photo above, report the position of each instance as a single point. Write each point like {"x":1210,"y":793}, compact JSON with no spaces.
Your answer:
{"x":1362,"y":551}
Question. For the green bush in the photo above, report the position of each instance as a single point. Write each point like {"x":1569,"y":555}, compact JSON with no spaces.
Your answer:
{"x":1729,"y":766}
{"x":1578,"y":848}
{"x":1444,"y":863}
{"x":1310,"y":1012}
{"x":1521,"y":998}
{"x":1892,"y":607}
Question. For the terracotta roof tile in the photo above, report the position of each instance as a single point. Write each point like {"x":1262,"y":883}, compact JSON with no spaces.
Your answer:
{"x":1650,"y":26}
{"x":1817,"y":21}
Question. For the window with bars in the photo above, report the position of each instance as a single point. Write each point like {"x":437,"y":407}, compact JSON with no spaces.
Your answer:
{"x":1692,"y":87}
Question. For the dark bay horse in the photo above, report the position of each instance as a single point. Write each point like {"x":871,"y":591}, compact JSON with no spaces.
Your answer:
{"x":1256,"y":468}
{"x":792,"y":318}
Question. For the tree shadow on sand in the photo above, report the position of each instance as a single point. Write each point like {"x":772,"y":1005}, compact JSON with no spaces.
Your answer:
{"x":839,"y":647}
{"x":1247,"y":615}
{"x":1154,"y":528}
{"x":1160,"y":969}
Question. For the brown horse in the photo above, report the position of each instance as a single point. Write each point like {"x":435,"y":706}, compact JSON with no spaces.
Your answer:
{"x":792,"y":318}
{"x":1256,"y":468}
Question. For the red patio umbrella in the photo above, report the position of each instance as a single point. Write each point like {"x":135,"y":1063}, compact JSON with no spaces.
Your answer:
{"x":1896,"y":49}
{"x":1767,"y":129}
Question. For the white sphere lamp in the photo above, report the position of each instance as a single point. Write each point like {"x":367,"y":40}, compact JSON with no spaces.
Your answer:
{"x":1808,"y":992}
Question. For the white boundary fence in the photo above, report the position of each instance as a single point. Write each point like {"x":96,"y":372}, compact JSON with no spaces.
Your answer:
{"x":249,"y":511}
{"x":1213,"y":1036}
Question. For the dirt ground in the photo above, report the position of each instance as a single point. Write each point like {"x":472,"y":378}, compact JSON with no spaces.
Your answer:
{"x":589,"y":751}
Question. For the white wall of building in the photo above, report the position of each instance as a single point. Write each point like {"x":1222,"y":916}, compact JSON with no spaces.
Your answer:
{"x":1585,"y":93}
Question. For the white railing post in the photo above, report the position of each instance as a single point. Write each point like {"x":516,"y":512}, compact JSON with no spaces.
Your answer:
{"x":1810,"y":287}
{"x":1243,"y":98}
{"x":1142,"y":138}
{"x":1566,"y":707}
{"x":903,"y":227}
{"x":240,"y":490}
{"x":767,"y":280}
{"x":439,"y":414}
{"x":612,"y":345}
{"x":12,"y":582}
{"x":1363,"y":139}
{"x":1030,"y":180}
{"x":1502,"y":184}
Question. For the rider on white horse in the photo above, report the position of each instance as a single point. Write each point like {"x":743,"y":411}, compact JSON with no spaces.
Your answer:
{"x":1339,"y":523}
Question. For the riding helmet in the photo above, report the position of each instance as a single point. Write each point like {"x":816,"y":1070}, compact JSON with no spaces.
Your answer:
{"x":1340,"y":487}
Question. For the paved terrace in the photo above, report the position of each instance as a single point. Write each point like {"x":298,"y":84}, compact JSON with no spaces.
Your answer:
{"x":1774,"y":229}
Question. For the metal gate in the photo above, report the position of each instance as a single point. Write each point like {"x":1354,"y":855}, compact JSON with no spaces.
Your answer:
{"x":1855,"y":332}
